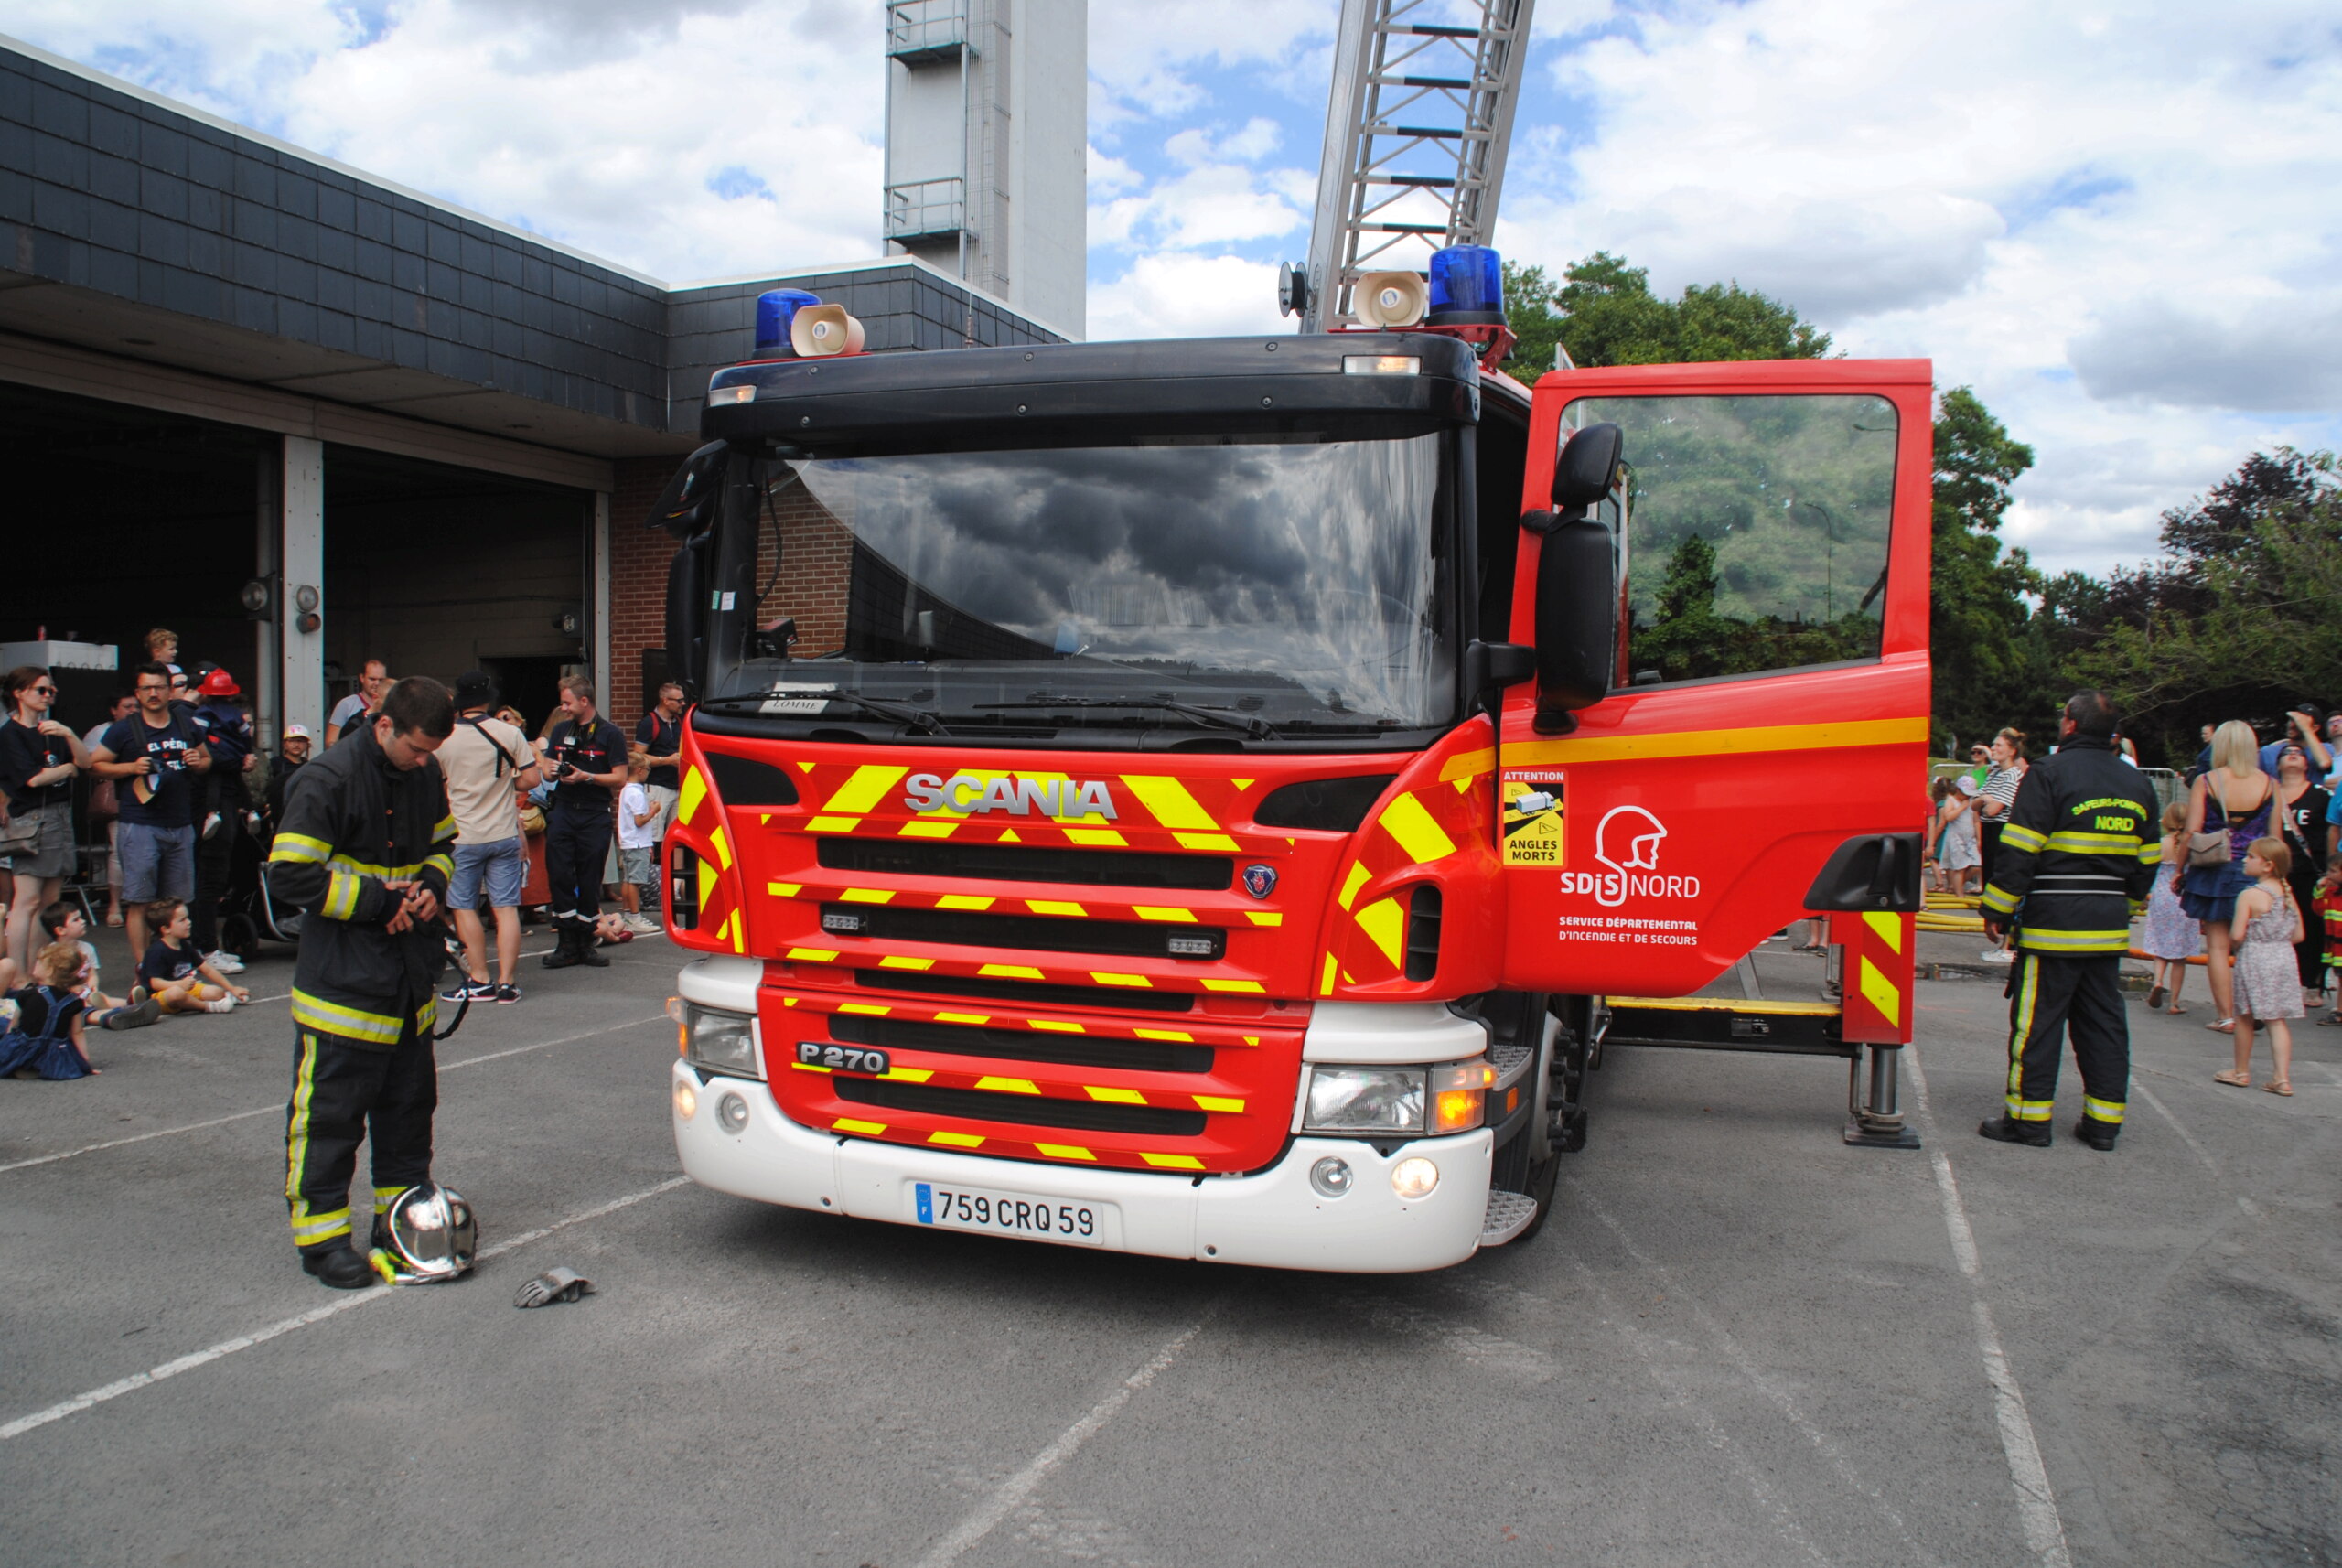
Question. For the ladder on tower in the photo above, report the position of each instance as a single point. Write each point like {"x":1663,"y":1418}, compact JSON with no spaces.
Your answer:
{"x":1416,"y":131}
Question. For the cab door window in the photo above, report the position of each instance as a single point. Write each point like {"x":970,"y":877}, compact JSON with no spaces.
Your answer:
{"x":1757,"y":530}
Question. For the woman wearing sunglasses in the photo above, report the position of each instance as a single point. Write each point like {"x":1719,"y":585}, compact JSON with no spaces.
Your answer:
{"x":38,"y":758}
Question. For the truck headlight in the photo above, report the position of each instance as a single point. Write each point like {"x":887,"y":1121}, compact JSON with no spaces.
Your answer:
{"x":1449,"y":1098}
{"x":720,"y":1042}
{"x":1365,"y":1099}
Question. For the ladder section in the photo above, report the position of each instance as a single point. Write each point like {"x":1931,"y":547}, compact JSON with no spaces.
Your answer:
{"x":1416,"y":131}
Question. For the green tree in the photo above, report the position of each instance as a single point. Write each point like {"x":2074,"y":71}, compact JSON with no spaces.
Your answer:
{"x":1608,"y":315}
{"x":1990,"y":666}
{"x":2237,"y":621}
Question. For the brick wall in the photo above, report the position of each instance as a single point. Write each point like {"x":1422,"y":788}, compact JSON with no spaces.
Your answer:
{"x":818,"y":548}
{"x":639,"y":558}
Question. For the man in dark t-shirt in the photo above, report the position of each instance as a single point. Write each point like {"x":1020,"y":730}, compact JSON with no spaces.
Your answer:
{"x":585,"y":754}
{"x":661,"y":732}
{"x":154,"y":757}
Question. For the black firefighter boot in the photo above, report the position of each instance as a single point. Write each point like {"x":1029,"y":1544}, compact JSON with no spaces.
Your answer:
{"x":338,"y":1267}
{"x":589,"y":945}
{"x":2009,"y":1130}
{"x":566,"y":946}
{"x":2099,"y":1135}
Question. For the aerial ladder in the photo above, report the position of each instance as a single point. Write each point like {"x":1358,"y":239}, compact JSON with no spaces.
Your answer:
{"x":1417,"y":126}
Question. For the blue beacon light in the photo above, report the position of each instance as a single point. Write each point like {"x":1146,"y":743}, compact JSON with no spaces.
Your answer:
{"x":775,"y":308}
{"x":1466,"y":288}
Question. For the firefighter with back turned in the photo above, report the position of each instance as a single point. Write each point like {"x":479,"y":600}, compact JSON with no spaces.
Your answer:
{"x":2077,"y":860}
{"x":364,"y":850}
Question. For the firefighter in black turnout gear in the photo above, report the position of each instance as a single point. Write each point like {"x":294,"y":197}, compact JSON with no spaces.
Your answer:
{"x":585,"y":754}
{"x":364,"y":850}
{"x":2077,"y":860}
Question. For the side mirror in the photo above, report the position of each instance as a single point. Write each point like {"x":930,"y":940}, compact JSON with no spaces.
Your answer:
{"x":1588,"y":466}
{"x":1495,"y":665}
{"x":686,"y":508}
{"x":687,"y":614}
{"x":1577,"y":620}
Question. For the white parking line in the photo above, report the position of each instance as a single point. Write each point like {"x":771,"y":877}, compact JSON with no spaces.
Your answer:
{"x":266,"y":1110}
{"x":210,"y":1354}
{"x":1013,"y":1492}
{"x":2037,"y":1504}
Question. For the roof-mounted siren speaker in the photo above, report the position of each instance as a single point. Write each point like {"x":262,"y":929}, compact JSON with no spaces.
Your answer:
{"x":1392,"y":299}
{"x":777,"y":311}
{"x":820,"y":330}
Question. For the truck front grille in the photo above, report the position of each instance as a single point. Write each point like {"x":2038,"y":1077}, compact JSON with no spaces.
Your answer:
{"x":1009,"y":863}
{"x":1020,"y":1045}
{"x":1022,"y":1110}
{"x":1037,"y":993}
{"x":1032,"y":933}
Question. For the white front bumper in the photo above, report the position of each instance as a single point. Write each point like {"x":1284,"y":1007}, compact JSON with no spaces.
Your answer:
{"x":1274,"y":1218}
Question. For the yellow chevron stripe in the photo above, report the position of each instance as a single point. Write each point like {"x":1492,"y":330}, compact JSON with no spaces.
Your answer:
{"x":1168,"y":801}
{"x":862,"y":791}
{"x":1421,"y":840}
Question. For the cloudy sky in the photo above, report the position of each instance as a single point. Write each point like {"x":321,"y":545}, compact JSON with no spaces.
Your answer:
{"x":2122,"y":225}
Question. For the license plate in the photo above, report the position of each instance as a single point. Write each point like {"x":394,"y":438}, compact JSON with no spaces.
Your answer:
{"x":1012,"y":1213}
{"x":841,"y":1058}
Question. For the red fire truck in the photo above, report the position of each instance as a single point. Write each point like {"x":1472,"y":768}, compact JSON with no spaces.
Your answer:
{"x":1216,"y":799}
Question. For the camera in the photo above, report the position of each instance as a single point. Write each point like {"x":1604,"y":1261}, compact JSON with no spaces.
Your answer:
{"x":565,"y":770}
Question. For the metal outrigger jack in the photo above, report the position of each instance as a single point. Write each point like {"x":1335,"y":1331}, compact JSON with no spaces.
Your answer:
{"x":1877,"y":1121}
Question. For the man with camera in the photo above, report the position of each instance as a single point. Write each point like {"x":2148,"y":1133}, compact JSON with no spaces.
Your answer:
{"x":585,"y":755}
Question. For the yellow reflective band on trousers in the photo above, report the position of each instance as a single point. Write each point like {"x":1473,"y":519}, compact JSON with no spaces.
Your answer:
{"x":2037,"y":940}
{"x":2029,"y":1109}
{"x":2101,"y":1110}
{"x":308,"y":1229}
{"x":334,"y":1018}
{"x":2028,"y":992}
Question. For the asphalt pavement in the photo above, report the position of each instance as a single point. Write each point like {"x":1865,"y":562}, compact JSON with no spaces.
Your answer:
{"x":1736,"y":1341}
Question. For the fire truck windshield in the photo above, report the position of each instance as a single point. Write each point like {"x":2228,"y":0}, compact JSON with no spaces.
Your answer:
{"x":1303,"y":586}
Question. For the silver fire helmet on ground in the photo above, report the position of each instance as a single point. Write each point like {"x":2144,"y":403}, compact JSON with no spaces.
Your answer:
{"x":430,"y":1235}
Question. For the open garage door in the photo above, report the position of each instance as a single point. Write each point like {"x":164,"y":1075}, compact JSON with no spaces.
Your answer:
{"x":435,"y":570}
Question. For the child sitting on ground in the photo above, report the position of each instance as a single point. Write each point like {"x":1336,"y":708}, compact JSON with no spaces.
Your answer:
{"x":47,"y":1040}
{"x":177,"y":976}
{"x":64,"y":922}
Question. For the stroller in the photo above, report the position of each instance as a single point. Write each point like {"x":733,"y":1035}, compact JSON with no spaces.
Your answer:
{"x":248,"y":917}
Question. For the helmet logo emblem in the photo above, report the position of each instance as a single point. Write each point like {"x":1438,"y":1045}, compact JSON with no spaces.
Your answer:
{"x":1260,"y":881}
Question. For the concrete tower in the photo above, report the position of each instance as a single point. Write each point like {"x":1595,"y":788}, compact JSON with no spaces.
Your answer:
{"x":987,"y":124}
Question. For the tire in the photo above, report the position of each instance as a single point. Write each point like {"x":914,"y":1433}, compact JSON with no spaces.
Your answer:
{"x":240,"y":936}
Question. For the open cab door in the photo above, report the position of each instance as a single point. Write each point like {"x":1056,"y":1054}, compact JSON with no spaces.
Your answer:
{"x":1730,"y":729}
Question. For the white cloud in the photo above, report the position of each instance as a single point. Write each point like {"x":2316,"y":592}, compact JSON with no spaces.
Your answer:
{"x":1187,"y":296}
{"x":1209,"y":205}
{"x":2101,"y":221}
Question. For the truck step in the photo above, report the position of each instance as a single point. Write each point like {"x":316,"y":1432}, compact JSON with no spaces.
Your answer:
{"x":1509,"y":1215}
{"x":1727,"y":1024}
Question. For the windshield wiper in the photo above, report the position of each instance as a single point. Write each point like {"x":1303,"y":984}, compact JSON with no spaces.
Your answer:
{"x":1253,"y":727}
{"x":919,"y":721}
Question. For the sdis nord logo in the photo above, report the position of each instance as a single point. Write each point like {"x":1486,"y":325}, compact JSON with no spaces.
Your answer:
{"x":1625,"y":842}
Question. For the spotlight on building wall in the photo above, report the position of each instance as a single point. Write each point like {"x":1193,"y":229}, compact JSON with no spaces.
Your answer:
{"x":817,"y":331}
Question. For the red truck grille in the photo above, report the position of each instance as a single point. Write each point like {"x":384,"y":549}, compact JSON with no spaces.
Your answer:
{"x":1195,"y":1094}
